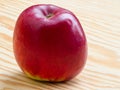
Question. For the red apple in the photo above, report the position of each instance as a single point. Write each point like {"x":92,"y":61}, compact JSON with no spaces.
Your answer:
{"x":49,"y":43}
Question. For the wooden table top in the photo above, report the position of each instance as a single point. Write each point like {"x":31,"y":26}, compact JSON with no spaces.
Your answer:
{"x":101,"y":22}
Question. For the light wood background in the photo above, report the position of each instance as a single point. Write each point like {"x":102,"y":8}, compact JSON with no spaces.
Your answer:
{"x":101,"y":22}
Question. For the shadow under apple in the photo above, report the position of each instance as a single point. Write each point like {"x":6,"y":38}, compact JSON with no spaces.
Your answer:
{"x":19,"y":79}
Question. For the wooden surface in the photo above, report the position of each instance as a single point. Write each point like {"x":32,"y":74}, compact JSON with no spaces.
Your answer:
{"x":101,"y":22}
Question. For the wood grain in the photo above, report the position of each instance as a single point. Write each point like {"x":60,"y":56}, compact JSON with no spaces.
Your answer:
{"x":101,"y":22}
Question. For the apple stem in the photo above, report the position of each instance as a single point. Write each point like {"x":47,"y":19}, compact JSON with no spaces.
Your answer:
{"x":49,"y":15}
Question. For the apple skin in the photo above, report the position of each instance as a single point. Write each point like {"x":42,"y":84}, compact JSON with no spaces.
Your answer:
{"x":49,"y":43}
